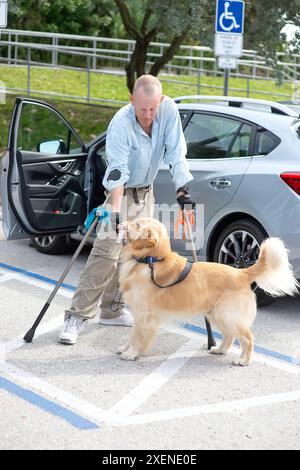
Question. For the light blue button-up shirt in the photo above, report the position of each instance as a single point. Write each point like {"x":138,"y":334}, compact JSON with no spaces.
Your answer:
{"x":137,"y":157}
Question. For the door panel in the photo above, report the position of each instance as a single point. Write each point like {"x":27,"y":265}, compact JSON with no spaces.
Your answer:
{"x":45,"y":190}
{"x":55,"y":198}
{"x":220,"y":150}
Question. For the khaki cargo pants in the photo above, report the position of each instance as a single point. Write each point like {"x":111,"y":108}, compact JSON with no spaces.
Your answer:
{"x":99,"y":281}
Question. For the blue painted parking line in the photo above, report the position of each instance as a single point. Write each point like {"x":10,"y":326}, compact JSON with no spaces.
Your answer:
{"x":258,"y":349}
{"x":36,"y":276}
{"x":49,"y":406}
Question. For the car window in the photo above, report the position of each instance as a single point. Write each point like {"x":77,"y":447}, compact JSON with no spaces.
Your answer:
{"x":42,"y":130}
{"x":265,"y":142}
{"x":210,"y":136}
{"x":183,"y":116}
{"x":101,"y":152}
{"x":241,"y":144}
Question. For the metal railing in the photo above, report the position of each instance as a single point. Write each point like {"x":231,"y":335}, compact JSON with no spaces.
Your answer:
{"x":104,"y":55}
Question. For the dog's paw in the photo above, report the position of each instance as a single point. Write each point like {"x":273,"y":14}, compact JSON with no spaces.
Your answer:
{"x":123,"y":348}
{"x":216,"y":350}
{"x":129,"y":355}
{"x":240,"y":362}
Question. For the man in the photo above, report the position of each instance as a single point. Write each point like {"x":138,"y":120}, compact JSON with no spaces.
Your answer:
{"x":139,"y":137}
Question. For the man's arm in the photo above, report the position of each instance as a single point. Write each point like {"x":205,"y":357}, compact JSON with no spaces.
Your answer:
{"x":116,"y":198}
{"x":175,"y":154}
{"x":116,"y":201}
{"x":117,"y":152}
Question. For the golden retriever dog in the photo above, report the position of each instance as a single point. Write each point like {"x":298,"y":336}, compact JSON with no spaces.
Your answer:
{"x":222,"y":293}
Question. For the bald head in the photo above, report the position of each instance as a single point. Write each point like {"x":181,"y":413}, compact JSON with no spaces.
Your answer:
{"x":149,"y":85}
{"x":146,"y":98}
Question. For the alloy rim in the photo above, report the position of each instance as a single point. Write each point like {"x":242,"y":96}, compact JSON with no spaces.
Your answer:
{"x":240,"y":249}
{"x":46,"y":241}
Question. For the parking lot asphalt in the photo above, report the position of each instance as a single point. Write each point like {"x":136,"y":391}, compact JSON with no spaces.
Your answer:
{"x":177,"y":397}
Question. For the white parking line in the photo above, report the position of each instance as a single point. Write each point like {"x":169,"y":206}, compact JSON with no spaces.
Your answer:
{"x":262,"y":359}
{"x":7,"y":277}
{"x":44,"y":328}
{"x":76,"y":404}
{"x":224,"y":407}
{"x":121,"y":413}
{"x":34,"y":282}
{"x":154,"y":381}
{"x":116,"y":416}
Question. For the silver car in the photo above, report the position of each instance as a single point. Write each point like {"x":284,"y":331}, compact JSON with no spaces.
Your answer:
{"x":244,"y":155}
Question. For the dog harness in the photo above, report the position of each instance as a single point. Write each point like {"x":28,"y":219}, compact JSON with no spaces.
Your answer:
{"x":150,"y":260}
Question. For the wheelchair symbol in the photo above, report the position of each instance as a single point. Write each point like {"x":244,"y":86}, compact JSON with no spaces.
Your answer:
{"x":229,"y":17}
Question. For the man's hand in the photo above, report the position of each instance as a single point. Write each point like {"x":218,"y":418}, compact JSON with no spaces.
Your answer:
{"x":184,"y":199}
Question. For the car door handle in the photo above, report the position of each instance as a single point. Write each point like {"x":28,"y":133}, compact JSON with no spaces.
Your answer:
{"x":220,"y":183}
{"x":59,"y":168}
{"x":63,"y":168}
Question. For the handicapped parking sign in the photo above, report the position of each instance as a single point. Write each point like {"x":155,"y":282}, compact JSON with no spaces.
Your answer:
{"x":230,"y":16}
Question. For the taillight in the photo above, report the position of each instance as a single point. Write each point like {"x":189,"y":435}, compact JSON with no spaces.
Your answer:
{"x":292,"y":180}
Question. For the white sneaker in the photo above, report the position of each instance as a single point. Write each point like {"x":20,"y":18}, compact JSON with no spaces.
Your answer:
{"x":125,"y":319}
{"x":72,"y":327}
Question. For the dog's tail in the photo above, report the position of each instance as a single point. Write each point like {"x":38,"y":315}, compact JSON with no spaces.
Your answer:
{"x":272,"y":272}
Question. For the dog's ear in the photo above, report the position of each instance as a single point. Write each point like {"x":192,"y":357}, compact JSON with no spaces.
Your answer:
{"x":152,"y":237}
{"x":148,"y":240}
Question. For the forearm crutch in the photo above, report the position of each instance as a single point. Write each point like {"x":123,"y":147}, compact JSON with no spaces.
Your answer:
{"x":210,"y":336}
{"x":31,"y":332}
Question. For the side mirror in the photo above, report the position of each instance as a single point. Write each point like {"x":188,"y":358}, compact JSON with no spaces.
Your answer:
{"x":53,"y":147}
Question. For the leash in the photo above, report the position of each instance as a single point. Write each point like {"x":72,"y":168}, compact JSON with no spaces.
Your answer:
{"x":181,"y":221}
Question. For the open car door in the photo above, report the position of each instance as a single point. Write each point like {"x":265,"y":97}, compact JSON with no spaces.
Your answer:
{"x":43,"y":171}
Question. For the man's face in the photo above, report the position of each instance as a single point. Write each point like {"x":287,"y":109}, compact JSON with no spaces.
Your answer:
{"x":145,"y":107}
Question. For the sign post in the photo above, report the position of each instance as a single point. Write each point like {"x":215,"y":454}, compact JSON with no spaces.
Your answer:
{"x":229,"y":35}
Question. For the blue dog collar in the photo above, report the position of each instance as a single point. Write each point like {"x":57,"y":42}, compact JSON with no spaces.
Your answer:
{"x":149,"y":260}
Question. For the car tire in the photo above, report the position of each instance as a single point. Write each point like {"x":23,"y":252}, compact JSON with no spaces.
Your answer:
{"x":244,"y":236}
{"x":51,"y":244}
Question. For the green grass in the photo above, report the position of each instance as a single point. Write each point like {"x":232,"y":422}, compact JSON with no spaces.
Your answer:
{"x":114,"y":87}
{"x":89,"y":121}
{"x":92,"y":120}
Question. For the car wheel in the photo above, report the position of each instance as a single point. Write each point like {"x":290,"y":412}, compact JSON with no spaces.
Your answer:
{"x":51,"y":244}
{"x":238,"y":246}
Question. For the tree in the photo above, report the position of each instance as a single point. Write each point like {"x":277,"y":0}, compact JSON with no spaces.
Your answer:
{"x":146,"y":21}
{"x":176,"y":21}
{"x":88,"y":17}
{"x":263,"y":29}
{"x":172,"y":20}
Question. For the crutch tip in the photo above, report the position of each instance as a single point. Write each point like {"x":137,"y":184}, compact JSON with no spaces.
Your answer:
{"x":29,"y":336}
{"x":211,"y":344}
